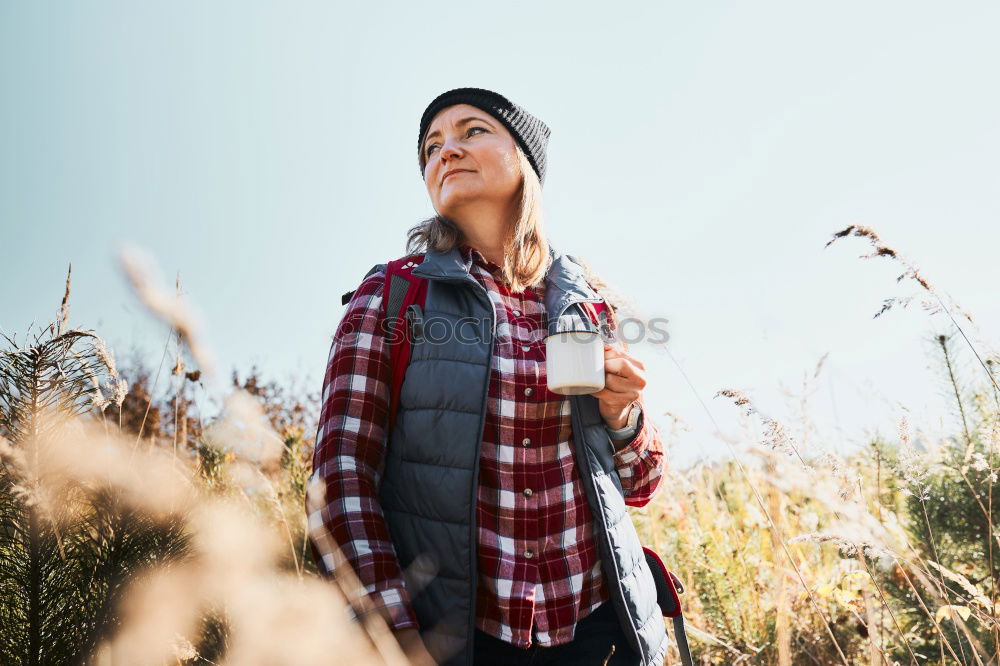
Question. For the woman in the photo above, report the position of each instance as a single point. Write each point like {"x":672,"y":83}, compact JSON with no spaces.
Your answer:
{"x":503,"y":502}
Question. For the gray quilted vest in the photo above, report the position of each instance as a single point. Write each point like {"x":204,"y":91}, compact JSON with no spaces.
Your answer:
{"x":428,"y":487}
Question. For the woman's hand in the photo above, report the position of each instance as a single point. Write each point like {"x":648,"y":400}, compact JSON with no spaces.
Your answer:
{"x":624,"y":380}
{"x":413,"y":647}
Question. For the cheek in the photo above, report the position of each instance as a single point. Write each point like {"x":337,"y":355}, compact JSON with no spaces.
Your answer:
{"x":511,"y":170}
{"x":432,"y":192}
{"x":510,"y":162}
{"x":431,"y":177}
{"x":506,"y":162}
{"x":503,"y":171}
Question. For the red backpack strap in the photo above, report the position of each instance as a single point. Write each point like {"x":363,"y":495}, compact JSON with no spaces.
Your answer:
{"x":666,"y":584}
{"x":403,"y":301}
{"x":604,"y":317}
{"x":603,"y":314}
{"x":668,"y":590}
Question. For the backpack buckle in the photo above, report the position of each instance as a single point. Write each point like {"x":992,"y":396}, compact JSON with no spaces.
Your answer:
{"x":678,"y":585}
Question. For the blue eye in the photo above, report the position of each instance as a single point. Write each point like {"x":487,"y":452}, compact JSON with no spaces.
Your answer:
{"x":434,"y":145}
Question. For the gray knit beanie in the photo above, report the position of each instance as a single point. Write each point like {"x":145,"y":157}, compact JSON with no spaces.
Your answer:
{"x":529,"y":132}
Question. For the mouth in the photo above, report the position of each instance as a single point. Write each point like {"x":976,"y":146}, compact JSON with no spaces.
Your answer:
{"x":454,"y":171}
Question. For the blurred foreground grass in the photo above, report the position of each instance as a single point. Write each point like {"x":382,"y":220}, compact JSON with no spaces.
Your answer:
{"x":133,"y":531}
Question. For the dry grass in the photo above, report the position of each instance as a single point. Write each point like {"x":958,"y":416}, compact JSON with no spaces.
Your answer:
{"x":790,"y":555}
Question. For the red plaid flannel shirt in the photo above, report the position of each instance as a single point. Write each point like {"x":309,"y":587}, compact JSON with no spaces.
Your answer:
{"x":539,"y":569}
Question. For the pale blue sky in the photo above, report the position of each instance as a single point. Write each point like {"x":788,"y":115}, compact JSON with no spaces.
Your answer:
{"x":701,"y":156}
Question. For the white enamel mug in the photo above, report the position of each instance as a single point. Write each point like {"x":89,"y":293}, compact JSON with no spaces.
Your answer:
{"x":574,"y":362}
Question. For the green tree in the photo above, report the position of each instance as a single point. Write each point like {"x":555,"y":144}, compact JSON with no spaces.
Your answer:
{"x":64,"y":560}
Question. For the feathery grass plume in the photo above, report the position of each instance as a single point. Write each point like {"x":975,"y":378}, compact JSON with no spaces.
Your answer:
{"x":912,"y":465}
{"x":851,"y":516}
{"x":254,"y":466}
{"x":244,"y":429}
{"x":975,"y":595}
{"x":118,"y":386}
{"x":777,"y":437}
{"x":988,"y":433}
{"x":913,"y":272}
{"x":140,"y":269}
{"x":882,"y":250}
{"x":52,"y":375}
{"x":63,"y":316}
{"x":850,"y":545}
{"x":809,"y":387}
{"x":775,"y":434}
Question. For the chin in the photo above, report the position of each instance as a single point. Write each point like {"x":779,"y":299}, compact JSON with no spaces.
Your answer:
{"x":456,"y":199}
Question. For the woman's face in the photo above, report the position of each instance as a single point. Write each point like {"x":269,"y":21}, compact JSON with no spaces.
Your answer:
{"x":481,"y":152}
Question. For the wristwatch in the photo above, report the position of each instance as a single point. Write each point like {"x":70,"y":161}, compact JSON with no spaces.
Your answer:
{"x":631,"y":424}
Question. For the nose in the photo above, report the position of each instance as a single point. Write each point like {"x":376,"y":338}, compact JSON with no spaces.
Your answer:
{"x":450,"y":149}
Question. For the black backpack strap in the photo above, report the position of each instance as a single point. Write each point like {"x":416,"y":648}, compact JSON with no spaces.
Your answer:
{"x":346,"y":298}
{"x":680,"y":635}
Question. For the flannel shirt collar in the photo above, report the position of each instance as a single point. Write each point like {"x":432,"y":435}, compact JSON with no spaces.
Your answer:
{"x":564,"y":282}
{"x":471,"y":255}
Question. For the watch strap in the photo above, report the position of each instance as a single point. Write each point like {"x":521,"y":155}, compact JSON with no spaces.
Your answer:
{"x":631,"y":427}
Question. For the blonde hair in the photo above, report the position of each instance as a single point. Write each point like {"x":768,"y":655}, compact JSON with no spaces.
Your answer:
{"x":526,"y":250}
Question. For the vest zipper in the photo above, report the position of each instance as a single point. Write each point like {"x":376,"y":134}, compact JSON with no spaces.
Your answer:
{"x":617,"y":598}
{"x":473,"y":526}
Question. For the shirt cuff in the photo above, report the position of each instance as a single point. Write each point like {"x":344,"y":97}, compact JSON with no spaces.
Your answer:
{"x":627,"y":452}
{"x":394,"y":605}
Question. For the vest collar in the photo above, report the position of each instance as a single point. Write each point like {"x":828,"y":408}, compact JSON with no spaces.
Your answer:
{"x":565,"y":281}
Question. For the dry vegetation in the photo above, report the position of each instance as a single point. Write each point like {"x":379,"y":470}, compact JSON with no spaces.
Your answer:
{"x":133,"y":531}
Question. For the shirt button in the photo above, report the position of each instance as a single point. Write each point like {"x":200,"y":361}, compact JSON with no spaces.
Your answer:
{"x":517,"y":313}
{"x":529,"y":553}
{"x":527,"y":492}
{"x":526,"y":441}
{"x":525,"y":348}
{"x":529,"y":391}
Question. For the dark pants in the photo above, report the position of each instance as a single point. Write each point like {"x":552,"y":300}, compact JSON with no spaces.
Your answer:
{"x":597,"y":636}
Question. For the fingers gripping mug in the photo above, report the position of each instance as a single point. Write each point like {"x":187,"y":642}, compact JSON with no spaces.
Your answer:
{"x":574,"y":354}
